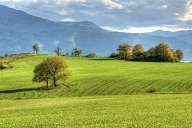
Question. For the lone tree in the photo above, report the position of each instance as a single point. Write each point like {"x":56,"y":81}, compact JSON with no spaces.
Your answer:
{"x":41,"y":74}
{"x":77,"y":52}
{"x":51,"y":69}
{"x":58,"y":51}
{"x":125,"y":51}
{"x":36,"y":48}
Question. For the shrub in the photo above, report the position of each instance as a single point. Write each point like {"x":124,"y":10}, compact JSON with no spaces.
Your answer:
{"x":91,"y":55}
{"x":4,"y":66}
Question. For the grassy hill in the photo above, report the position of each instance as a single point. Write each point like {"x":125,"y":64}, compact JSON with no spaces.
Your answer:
{"x":98,"y":77}
{"x":92,"y":78}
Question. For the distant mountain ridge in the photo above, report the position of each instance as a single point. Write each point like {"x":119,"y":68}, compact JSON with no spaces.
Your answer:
{"x":170,"y":34}
{"x":19,"y":30}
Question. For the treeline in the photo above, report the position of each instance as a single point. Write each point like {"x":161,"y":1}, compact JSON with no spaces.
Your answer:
{"x":60,"y":52}
{"x":160,"y":53}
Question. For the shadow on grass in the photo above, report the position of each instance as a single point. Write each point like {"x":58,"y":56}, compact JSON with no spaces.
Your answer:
{"x":44,"y":88}
{"x":102,"y":59}
{"x":24,"y":90}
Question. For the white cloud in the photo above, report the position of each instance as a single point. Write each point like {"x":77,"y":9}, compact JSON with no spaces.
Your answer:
{"x":68,"y":20}
{"x":188,"y":15}
{"x":109,"y":3}
{"x":50,"y":2}
{"x":164,"y":6}
{"x":109,"y":12}
{"x":172,"y":28}
{"x":112,"y":4}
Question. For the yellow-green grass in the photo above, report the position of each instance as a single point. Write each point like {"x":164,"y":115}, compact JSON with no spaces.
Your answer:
{"x":99,"y":77}
{"x":136,"y":111}
{"x":20,"y":76}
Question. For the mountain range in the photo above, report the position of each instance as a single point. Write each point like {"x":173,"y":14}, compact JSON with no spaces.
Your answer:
{"x":19,"y":30}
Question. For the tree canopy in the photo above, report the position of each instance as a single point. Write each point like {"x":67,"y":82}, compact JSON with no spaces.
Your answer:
{"x":160,"y":53}
{"x":125,"y":51}
{"x":36,"y":48}
{"x":77,"y":52}
{"x":58,"y":51}
{"x":51,"y":69}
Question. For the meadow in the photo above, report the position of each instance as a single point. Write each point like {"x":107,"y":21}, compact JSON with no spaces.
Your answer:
{"x":136,"y":111}
{"x":95,"y":77}
{"x":100,"y":93}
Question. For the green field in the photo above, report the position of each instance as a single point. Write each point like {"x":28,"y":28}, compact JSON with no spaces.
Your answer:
{"x":100,"y":93}
{"x":90,"y":77}
{"x":137,"y":111}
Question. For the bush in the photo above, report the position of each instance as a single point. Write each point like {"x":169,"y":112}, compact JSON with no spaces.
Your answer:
{"x":4,"y":66}
{"x":7,"y":59}
{"x":91,"y":55}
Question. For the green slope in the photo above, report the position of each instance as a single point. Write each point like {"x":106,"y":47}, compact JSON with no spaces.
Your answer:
{"x":100,"y":77}
{"x":140,"y":111}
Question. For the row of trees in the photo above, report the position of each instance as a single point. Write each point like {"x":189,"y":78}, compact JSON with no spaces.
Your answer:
{"x":160,"y":53}
{"x":58,"y":51}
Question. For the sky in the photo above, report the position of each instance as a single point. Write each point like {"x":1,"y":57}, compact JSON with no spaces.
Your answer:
{"x":136,"y":16}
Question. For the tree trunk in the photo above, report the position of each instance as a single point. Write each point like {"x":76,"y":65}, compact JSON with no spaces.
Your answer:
{"x":54,"y":82}
{"x":47,"y":84}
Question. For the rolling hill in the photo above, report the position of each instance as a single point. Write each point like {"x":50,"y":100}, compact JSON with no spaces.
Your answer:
{"x":95,"y":77}
{"x":19,"y":30}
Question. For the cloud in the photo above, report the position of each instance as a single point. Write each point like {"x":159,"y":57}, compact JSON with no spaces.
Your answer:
{"x":164,"y":6}
{"x":172,"y":28}
{"x":188,"y":14}
{"x":112,"y":4}
{"x":68,"y":20}
{"x":113,"y":13}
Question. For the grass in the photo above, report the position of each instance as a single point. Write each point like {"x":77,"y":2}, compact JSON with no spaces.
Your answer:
{"x":80,"y":102}
{"x":136,"y":111}
{"x":94,"y":77}
{"x":20,"y":76}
